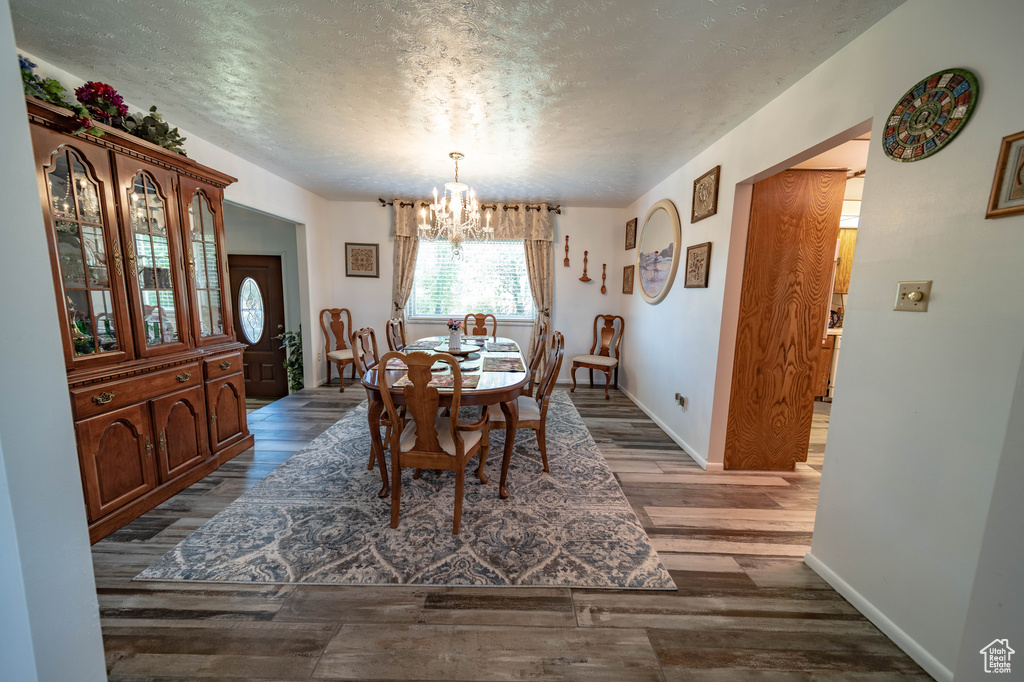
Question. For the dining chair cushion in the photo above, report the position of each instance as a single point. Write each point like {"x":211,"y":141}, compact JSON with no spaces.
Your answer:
{"x":602,"y":360}
{"x":345,"y":354}
{"x":444,"y":436}
{"x":528,"y":410}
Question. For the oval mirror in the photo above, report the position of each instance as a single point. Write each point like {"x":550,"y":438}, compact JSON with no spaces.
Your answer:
{"x":657,"y":253}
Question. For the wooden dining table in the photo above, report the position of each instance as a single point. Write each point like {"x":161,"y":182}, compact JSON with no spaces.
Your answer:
{"x":494,"y":388}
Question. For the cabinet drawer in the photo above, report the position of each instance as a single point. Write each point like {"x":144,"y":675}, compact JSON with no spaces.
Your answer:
{"x":222,"y":365}
{"x":97,"y":398}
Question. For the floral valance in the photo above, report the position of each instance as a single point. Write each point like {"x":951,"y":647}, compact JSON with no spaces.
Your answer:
{"x":509,"y":220}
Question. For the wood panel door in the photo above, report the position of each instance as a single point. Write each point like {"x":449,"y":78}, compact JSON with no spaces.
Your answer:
{"x":179,"y":424}
{"x":227,"y":410}
{"x":257,"y":291}
{"x":787,"y":277}
{"x":116,"y":455}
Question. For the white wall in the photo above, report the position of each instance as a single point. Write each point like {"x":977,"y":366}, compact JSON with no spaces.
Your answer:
{"x":251,"y":233}
{"x":997,"y":600}
{"x":576,"y":303}
{"x":49,"y":617}
{"x":918,"y":425}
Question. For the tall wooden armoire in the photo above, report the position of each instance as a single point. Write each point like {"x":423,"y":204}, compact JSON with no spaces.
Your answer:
{"x":136,"y":237}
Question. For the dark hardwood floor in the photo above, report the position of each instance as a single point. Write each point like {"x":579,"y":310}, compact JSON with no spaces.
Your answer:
{"x":747,"y":607}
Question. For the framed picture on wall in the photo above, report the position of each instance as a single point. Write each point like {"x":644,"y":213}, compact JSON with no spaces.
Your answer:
{"x":705,"y":195}
{"x":362,"y":260}
{"x":627,"y":279}
{"x":631,"y":234}
{"x":1007,"y":196}
{"x":698,"y":260}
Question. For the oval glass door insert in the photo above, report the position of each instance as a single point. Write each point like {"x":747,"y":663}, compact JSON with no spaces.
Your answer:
{"x":250,"y":309}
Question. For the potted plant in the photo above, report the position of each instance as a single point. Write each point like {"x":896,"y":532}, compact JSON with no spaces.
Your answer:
{"x":292,"y":344}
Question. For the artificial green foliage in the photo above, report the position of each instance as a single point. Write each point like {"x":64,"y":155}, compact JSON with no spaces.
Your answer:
{"x":51,"y":90}
{"x":152,"y":128}
{"x":292,"y":343}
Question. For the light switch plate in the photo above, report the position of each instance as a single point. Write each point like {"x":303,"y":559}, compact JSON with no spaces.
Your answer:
{"x":904,"y":299}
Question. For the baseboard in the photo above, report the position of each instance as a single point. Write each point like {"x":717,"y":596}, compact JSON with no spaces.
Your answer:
{"x":900,"y":638}
{"x":699,"y":459}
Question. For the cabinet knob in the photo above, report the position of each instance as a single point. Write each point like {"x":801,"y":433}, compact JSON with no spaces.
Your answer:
{"x":225,"y":364}
{"x":184,"y":376}
{"x":103,"y":398}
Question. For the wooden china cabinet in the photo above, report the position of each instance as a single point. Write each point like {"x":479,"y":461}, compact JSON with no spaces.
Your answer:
{"x":136,"y":238}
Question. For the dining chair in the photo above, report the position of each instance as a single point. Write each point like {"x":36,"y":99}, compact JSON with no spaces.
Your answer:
{"x":394,"y":332}
{"x":428,"y":441}
{"x":537,"y":356}
{"x":480,"y":325}
{"x":607,"y":357}
{"x":533,"y":410}
{"x":341,"y":354}
{"x":364,"y":348}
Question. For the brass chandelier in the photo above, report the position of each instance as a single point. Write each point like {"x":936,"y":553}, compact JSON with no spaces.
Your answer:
{"x":455,"y":214}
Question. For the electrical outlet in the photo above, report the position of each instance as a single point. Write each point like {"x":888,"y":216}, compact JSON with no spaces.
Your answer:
{"x":319,"y":356}
{"x":912,"y":297}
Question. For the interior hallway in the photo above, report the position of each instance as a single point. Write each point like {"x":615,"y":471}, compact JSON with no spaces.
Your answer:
{"x":733,"y":542}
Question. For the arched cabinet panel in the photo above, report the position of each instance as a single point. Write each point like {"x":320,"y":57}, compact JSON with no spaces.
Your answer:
{"x":116,"y":457}
{"x":227,"y":409}
{"x":202,"y":218}
{"x":179,"y":422}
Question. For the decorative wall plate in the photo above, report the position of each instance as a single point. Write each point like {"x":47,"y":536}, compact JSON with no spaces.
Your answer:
{"x":705,"y":195}
{"x":930,"y":115}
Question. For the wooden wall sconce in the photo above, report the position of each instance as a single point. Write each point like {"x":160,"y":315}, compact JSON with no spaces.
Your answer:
{"x":584,"y":278}
{"x":566,"y":261}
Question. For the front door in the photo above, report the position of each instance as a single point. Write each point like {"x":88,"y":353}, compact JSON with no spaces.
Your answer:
{"x":258,"y":293}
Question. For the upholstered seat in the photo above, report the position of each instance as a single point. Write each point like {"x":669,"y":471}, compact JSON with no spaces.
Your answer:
{"x":602,"y":360}
{"x":345,"y":354}
{"x":444,"y":436}
{"x":528,"y":410}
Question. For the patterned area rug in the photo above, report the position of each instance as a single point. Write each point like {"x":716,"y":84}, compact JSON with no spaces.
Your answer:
{"x":317,"y":520}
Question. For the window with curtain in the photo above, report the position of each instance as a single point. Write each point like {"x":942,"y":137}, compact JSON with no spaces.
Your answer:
{"x":489,"y":278}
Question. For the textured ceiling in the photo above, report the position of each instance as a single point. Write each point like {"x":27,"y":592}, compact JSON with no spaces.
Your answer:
{"x":582,"y":103}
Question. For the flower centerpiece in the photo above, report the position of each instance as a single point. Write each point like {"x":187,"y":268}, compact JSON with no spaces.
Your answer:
{"x":454,"y":334}
{"x":102,"y":102}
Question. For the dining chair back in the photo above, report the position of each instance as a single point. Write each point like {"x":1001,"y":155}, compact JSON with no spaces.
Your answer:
{"x":533,"y":410}
{"x":427,"y":440}
{"x":394,"y":332}
{"x":480,"y":325}
{"x":537,"y":357}
{"x":604,"y":351}
{"x":337,"y":340}
{"x":364,"y":351}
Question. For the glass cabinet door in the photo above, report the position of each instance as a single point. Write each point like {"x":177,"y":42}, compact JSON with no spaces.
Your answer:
{"x":205,"y":266}
{"x":153,"y":252}
{"x":89,"y":261}
{"x":205,"y":259}
{"x":153,"y":264}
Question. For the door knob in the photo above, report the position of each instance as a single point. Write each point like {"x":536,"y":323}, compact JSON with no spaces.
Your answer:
{"x":280,"y":326}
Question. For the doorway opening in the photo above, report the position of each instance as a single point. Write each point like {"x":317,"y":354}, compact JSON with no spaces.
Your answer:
{"x":852,"y":156}
{"x":791,"y":308}
{"x":263,"y":264}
